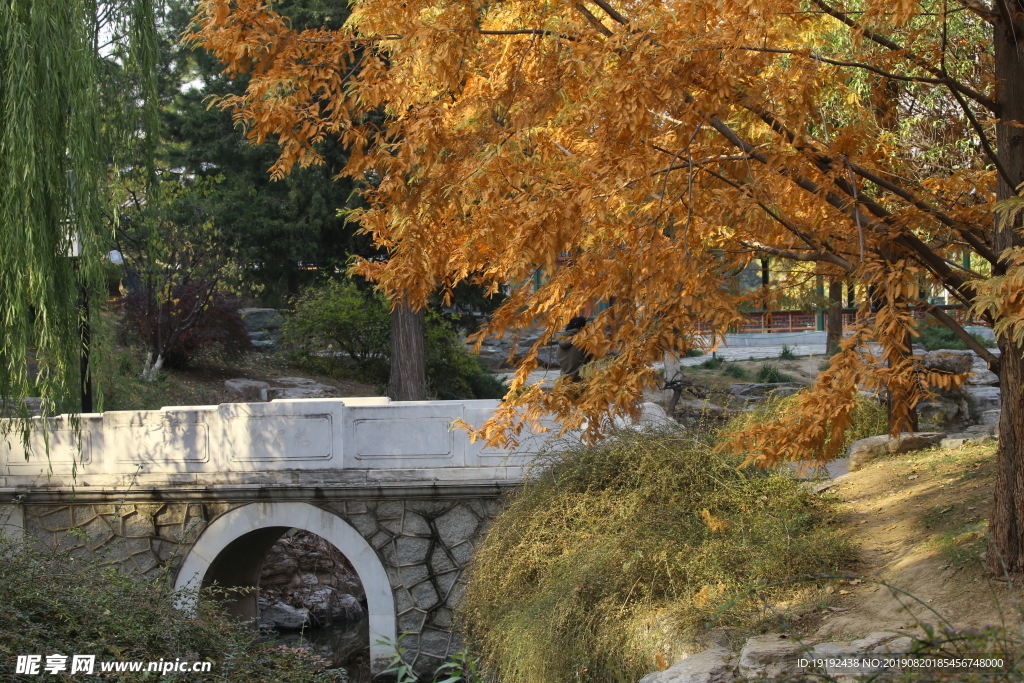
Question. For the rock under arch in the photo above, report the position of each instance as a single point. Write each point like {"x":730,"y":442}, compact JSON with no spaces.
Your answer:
{"x":230,"y":551}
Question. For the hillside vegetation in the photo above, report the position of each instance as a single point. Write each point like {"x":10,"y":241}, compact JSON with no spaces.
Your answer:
{"x":620,"y":555}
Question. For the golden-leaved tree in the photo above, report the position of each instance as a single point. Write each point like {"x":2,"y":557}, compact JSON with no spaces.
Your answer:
{"x":662,"y":147}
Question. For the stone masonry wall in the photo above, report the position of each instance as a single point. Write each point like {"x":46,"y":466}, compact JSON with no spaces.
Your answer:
{"x":143,"y":538}
{"x":424,"y":545}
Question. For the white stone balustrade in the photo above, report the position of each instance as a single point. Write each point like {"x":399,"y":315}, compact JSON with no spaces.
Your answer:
{"x":336,"y":442}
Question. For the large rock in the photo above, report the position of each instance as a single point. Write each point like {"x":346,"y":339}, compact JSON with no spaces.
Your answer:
{"x":294,"y":381}
{"x":956,"y":362}
{"x":281,"y":615}
{"x":779,"y":657}
{"x":710,"y":666}
{"x":312,"y":390}
{"x":347,"y":608}
{"x":865,"y":450}
{"x":278,"y":570}
{"x":771,"y":656}
{"x":981,"y":375}
{"x":327,"y":605}
{"x":494,"y":353}
{"x":848,"y":659}
{"x":256,"y":319}
{"x":697,"y":408}
{"x":965,"y":439}
{"x":248,"y":389}
{"x":547,"y":357}
{"x":944,"y":410}
{"x":990,"y":417}
{"x":983,"y":399}
{"x":947,"y":408}
{"x":32,"y":404}
{"x":263,"y":326}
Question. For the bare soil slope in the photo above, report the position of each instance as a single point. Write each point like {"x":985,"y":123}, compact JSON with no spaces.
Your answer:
{"x":203,"y":383}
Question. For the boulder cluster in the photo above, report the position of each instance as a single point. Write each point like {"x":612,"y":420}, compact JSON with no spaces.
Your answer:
{"x":304,"y":582}
{"x":978,"y":402}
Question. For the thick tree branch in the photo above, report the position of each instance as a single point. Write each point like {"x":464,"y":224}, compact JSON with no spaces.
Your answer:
{"x":962,"y":334}
{"x":979,"y":9}
{"x":936,"y":80}
{"x":1004,"y":12}
{"x":964,"y":231}
{"x":813,"y":257}
{"x":992,"y":156}
{"x":825,"y":164}
{"x":699,"y":162}
{"x":611,"y":11}
{"x":909,"y":241}
{"x":592,"y":20}
{"x":823,"y":255}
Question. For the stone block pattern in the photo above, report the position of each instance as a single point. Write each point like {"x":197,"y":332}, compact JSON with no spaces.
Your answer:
{"x":424,"y":545}
{"x":141,"y":538}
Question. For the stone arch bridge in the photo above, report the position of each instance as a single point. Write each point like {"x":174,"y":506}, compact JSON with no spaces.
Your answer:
{"x":205,"y":491}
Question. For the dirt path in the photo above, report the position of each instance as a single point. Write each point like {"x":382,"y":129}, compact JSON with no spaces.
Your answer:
{"x":920,"y":521}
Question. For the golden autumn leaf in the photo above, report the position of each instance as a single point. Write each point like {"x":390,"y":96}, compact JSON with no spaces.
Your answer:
{"x":641,"y":156}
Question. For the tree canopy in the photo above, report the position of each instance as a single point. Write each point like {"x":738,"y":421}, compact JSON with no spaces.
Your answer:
{"x":659,"y":149}
{"x":272,"y":228}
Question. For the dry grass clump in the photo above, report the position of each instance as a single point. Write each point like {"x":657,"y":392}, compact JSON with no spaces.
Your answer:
{"x":621,"y":553}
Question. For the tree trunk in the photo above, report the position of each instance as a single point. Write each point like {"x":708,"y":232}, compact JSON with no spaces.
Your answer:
{"x":834,"y":318}
{"x":85,"y":331}
{"x":1006,"y":528}
{"x":408,"y":380}
{"x":293,"y":283}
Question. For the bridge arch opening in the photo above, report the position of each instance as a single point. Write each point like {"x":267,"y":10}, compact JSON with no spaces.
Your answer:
{"x":230,"y":553}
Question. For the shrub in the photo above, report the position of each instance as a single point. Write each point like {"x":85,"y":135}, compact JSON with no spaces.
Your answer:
{"x":769,"y":374}
{"x":713,"y":363}
{"x":193,"y":318}
{"x":694,"y":353}
{"x":620,"y":552}
{"x":338,"y":330}
{"x":735,"y":371}
{"x":787,"y":353}
{"x":934,"y":337}
{"x":58,"y":604}
{"x":452,"y":371}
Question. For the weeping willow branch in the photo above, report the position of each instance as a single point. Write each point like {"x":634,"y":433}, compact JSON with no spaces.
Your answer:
{"x":55,"y":157}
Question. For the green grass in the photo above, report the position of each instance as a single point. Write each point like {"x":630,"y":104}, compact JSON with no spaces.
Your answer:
{"x":935,"y":337}
{"x":787,"y":353}
{"x":769,"y":374}
{"x":735,"y":371}
{"x":713,"y":363}
{"x":625,"y":551}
